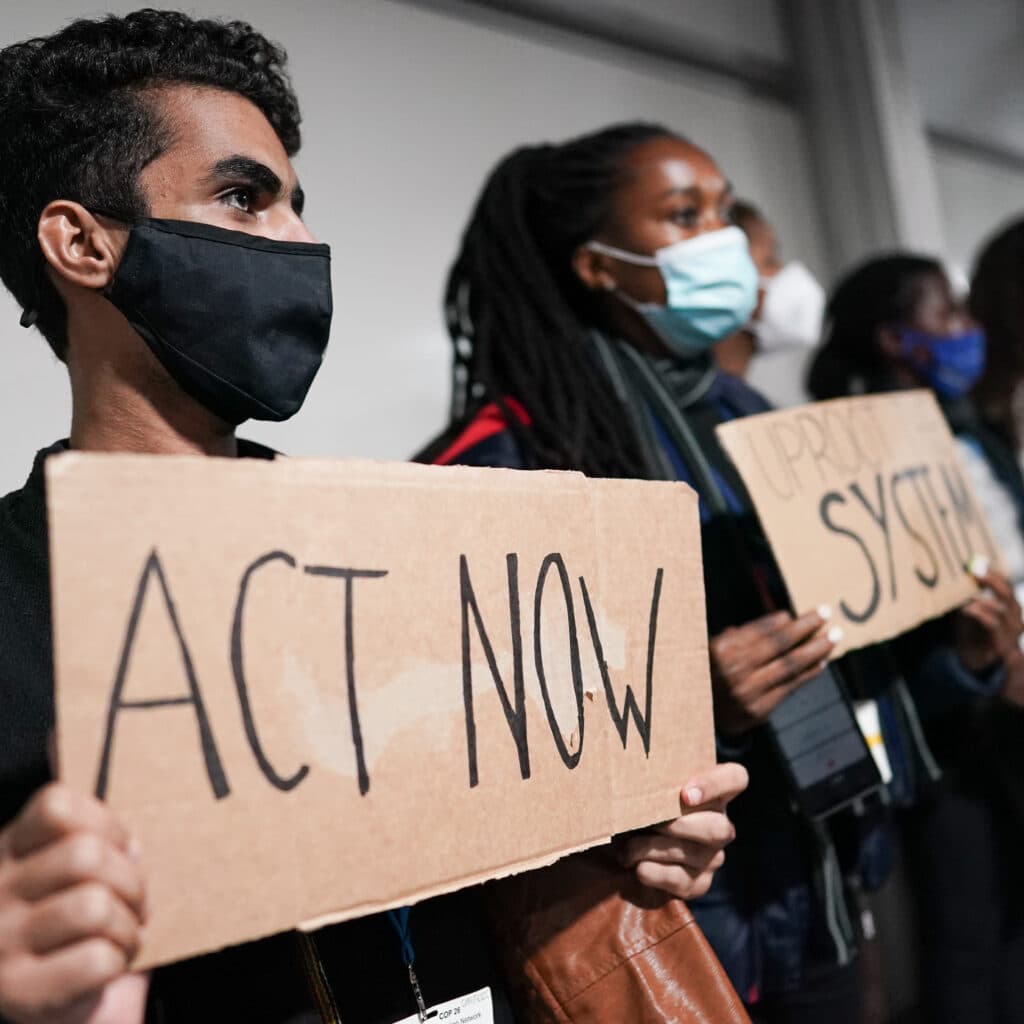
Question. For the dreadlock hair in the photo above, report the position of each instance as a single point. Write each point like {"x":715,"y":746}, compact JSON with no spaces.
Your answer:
{"x":997,"y":303}
{"x":78,"y":122}
{"x":518,"y":315}
{"x":882,"y":291}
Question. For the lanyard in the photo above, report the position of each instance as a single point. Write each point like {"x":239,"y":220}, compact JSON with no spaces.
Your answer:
{"x":400,"y":922}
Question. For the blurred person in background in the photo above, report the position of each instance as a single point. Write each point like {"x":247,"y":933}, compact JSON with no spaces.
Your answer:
{"x":992,"y":453}
{"x":895,"y":324}
{"x":772,"y":350}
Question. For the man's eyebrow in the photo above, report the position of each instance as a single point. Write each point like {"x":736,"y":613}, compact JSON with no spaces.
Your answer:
{"x":298,"y":199}
{"x":245,"y":170}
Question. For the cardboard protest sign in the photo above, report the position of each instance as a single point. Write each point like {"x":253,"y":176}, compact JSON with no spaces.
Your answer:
{"x":318,"y":689}
{"x":866,"y":507}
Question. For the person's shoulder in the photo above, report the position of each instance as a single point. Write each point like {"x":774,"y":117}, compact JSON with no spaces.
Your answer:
{"x":743,"y":399}
{"x":483,"y":439}
{"x":24,"y":509}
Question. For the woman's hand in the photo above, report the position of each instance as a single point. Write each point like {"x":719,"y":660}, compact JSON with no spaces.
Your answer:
{"x":989,"y":626}
{"x":754,"y":667}
{"x":681,"y":857}
{"x":988,"y":630}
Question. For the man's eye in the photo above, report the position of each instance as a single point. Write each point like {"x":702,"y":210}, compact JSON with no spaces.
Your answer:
{"x":243,"y":199}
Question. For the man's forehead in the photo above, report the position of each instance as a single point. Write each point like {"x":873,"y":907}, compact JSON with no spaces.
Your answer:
{"x":212,"y":126}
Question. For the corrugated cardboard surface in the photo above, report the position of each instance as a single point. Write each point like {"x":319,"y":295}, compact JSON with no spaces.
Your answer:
{"x":290,"y":838}
{"x":866,"y":507}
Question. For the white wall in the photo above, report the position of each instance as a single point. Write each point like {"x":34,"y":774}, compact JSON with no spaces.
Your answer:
{"x":967,"y":74}
{"x":738,"y":28}
{"x":965,"y":59}
{"x":978,"y":197}
{"x":406,"y":109}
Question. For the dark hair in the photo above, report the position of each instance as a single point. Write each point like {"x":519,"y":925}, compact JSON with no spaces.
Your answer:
{"x":744,"y":214}
{"x":519,"y":316}
{"x":997,"y":303}
{"x":882,"y":291}
{"x":76,"y":123}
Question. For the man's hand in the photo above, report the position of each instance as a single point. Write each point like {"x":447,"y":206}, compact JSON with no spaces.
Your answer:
{"x":756,"y":665}
{"x":72,"y":905}
{"x":682,"y":856}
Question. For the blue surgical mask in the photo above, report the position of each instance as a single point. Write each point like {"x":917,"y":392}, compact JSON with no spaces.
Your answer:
{"x":953,"y":363}
{"x":710,"y":288}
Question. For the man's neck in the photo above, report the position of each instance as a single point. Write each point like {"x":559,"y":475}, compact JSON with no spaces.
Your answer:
{"x":109,"y":416}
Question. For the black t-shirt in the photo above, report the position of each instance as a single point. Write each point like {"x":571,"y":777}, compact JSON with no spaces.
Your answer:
{"x":264,"y":982}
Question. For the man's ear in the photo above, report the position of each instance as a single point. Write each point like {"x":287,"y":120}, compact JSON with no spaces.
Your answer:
{"x":78,"y":248}
{"x":594,"y":270}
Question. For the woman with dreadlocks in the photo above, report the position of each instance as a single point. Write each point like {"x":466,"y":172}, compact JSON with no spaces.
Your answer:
{"x":592,"y":280}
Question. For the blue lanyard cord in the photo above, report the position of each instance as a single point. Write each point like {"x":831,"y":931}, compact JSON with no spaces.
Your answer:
{"x":400,"y":922}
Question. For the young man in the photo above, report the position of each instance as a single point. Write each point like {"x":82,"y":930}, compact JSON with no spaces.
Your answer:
{"x":146,"y":184}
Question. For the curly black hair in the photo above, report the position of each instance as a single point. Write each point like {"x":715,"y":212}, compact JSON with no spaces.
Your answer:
{"x":77,"y":122}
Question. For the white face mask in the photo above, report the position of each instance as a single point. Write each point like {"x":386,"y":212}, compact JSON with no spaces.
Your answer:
{"x":792,"y":311}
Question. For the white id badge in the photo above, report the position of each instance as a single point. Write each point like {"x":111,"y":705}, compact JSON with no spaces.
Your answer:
{"x":476,"y":1008}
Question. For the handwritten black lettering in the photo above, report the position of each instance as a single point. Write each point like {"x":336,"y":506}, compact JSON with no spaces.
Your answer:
{"x":929,"y":580}
{"x":570,"y":758}
{"x":958,"y":559}
{"x":241,"y":684}
{"x":881,"y":519}
{"x":214,"y":768}
{"x":915,"y":475}
{"x":350,"y":576}
{"x":515,"y":714}
{"x":825,"y":511}
{"x":968,"y":517}
{"x":630,"y":708}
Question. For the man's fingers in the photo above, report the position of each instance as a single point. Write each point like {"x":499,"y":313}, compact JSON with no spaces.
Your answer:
{"x":77,"y":972}
{"x":87,"y":911}
{"x":674,"y":879}
{"x":57,"y":811}
{"x":711,"y":828}
{"x":81,"y":857}
{"x":716,"y":787}
{"x":664,"y":850}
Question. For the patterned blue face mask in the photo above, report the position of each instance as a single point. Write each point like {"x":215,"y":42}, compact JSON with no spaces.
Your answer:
{"x":710,"y":288}
{"x":949,"y":364}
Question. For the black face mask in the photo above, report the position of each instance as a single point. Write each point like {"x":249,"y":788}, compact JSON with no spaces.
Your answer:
{"x":239,"y":321}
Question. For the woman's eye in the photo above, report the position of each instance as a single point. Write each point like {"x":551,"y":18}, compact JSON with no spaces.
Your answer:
{"x":686,"y":218}
{"x":243,"y":199}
